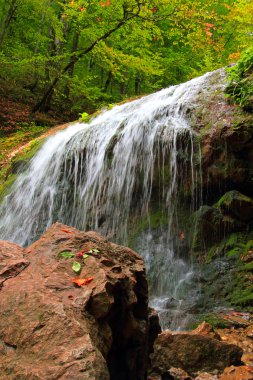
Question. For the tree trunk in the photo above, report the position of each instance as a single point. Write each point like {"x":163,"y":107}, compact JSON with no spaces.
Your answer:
{"x":71,"y":70}
{"x":137,"y":85}
{"x":8,"y":18}
{"x":107,"y":82}
{"x":43,"y":103}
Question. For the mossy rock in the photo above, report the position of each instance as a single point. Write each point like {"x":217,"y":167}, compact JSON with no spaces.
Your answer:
{"x":242,"y":295}
{"x":229,"y":215}
{"x":237,"y":204}
{"x":17,"y":165}
{"x":216,"y":321}
{"x":211,"y":226}
{"x":6,"y":185}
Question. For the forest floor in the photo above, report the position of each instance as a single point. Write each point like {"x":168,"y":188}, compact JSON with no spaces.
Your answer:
{"x":18,"y":127}
{"x":21,"y":134}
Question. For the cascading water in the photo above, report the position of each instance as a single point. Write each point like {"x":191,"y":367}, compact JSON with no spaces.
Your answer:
{"x":128,"y":166}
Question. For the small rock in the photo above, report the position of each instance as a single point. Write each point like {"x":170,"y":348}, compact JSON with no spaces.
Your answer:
{"x":206,"y":376}
{"x":193,"y":353}
{"x":237,"y":373}
{"x":206,"y":329}
{"x":178,"y":374}
{"x":249,"y":332}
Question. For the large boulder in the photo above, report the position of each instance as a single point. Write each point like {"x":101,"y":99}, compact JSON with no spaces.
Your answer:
{"x":193,"y":353}
{"x":52,"y":328}
{"x":13,"y":260}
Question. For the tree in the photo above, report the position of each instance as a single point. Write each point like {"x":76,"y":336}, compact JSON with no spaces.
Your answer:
{"x":83,"y":54}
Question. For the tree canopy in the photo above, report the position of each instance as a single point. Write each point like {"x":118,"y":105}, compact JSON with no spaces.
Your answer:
{"x":86,"y":53}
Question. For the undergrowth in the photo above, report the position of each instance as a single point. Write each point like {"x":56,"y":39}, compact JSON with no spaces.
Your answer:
{"x":240,"y":87}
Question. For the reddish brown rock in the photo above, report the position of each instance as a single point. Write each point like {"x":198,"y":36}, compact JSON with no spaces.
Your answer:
{"x":237,"y":373}
{"x":193,"y":353}
{"x":206,"y":376}
{"x":206,"y":329}
{"x":172,"y":374}
{"x":12,"y":260}
{"x":178,"y":374}
{"x":52,"y":329}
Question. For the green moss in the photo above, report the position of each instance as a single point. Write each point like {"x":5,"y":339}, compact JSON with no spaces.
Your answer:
{"x":249,"y":266}
{"x":6,"y":185}
{"x":24,"y":133}
{"x":236,"y":244}
{"x":242,"y":296}
{"x":8,"y":173}
{"x":212,"y":253}
{"x":151,"y":221}
{"x":240,"y":87}
{"x":213,"y":319}
{"x":29,"y":152}
{"x":226,"y":200}
{"x":249,"y":246}
{"x":235,"y":252}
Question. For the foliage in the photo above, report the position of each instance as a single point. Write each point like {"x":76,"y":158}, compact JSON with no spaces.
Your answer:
{"x":82,"y":55}
{"x":240,"y":88}
{"x":26,"y":140}
{"x":84,"y":117}
{"x":76,"y":266}
{"x":66,"y":255}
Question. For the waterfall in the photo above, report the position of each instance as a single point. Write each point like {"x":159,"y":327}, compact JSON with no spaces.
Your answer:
{"x":113,"y":175}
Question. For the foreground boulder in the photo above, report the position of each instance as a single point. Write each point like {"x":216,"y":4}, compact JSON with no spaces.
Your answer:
{"x":52,"y":328}
{"x":193,"y":353}
{"x":12,"y":261}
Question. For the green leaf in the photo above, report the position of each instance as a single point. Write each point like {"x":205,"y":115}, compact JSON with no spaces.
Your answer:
{"x":66,"y":255}
{"x":94,"y":250}
{"x":84,"y":117}
{"x":76,"y":266}
{"x":85,"y":256}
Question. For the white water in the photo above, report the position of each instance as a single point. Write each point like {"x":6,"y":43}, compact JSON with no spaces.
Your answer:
{"x":100,"y":176}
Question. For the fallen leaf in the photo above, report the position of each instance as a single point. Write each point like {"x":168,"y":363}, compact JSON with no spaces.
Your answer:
{"x":82,"y":281}
{"x":67,"y":255}
{"x":80,"y":254}
{"x":67,"y":231}
{"x":76,"y":266}
{"x":94,"y":250}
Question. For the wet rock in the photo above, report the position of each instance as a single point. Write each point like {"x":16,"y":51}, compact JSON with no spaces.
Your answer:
{"x":193,"y":353}
{"x":208,"y":227}
{"x":241,"y":136}
{"x":154,"y":328}
{"x":50,"y":328}
{"x":239,"y":205}
{"x":213,"y":224}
